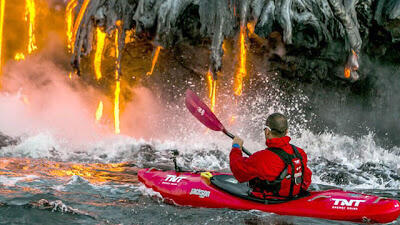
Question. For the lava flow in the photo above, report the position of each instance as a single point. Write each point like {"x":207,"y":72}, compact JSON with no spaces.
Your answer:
{"x":30,"y":16}
{"x":154,"y":61}
{"x":241,"y":71}
{"x":212,"y":87}
{"x":19,"y":56}
{"x":99,"y":111}
{"x":69,"y":19}
{"x":78,"y":22}
{"x":101,"y":37}
{"x":2,"y":6}
{"x":117,"y":82}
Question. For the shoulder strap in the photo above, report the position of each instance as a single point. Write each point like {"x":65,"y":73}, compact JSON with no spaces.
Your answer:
{"x":286,"y":157}
{"x":298,"y":155}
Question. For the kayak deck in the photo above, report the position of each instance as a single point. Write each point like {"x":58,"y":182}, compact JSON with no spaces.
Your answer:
{"x":193,"y":189}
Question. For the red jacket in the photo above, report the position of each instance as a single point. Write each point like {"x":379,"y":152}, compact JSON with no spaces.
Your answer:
{"x":265,"y":164}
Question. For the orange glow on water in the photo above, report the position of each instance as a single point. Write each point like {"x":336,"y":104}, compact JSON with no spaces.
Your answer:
{"x":78,"y":22}
{"x":154,"y":61}
{"x":241,"y":71}
{"x":101,"y":37}
{"x":99,"y":111}
{"x":30,"y":16}
{"x":69,"y":19}
{"x":94,"y":172}
{"x":19,"y":56}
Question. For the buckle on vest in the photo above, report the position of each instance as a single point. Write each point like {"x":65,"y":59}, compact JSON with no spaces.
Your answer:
{"x":297,"y":178}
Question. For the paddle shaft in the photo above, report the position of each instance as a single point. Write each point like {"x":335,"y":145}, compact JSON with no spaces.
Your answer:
{"x":233,"y":136}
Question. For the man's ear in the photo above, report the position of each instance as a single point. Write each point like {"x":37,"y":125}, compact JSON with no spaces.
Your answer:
{"x":286,"y":132}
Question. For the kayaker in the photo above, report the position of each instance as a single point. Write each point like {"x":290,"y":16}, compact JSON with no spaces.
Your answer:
{"x":278,"y":171}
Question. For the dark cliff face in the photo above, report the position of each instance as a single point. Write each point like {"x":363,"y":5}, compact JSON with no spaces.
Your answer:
{"x":307,"y":43}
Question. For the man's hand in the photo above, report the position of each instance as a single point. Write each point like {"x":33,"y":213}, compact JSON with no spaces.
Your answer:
{"x":238,"y":140}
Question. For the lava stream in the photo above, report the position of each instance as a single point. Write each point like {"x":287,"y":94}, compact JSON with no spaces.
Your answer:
{"x":241,"y":72}
{"x":2,"y":6}
{"x":101,"y":37}
{"x":30,"y":15}
{"x":154,"y":61}
{"x":69,"y":18}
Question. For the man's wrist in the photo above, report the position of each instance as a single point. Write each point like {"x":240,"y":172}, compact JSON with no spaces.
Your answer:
{"x":236,"y":145}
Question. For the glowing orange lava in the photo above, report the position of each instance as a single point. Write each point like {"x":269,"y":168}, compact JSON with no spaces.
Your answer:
{"x":251,"y":26}
{"x":155,"y":58}
{"x":117,"y":85}
{"x":2,"y":6}
{"x":69,"y":19}
{"x":210,"y":84}
{"x":30,"y":15}
{"x":212,"y":89}
{"x":347,"y":72}
{"x":232,"y":120}
{"x":101,"y":37}
{"x":241,"y":71}
{"x":78,"y":21}
{"x":19,"y":56}
{"x":99,"y":111}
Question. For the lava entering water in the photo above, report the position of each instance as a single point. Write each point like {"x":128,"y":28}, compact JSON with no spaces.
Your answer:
{"x":78,"y":22}
{"x":99,"y":111}
{"x":101,"y":37}
{"x":154,"y":61}
{"x":241,"y":72}
{"x":30,"y":15}
{"x":69,"y":19}
{"x":212,"y":88}
{"x":117,"y":81}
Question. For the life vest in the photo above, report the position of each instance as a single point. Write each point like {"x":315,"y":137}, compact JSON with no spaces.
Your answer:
{"x":288,"y":183}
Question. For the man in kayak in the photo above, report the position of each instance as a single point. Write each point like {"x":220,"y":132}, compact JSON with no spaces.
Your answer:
{"x":278,"y":171}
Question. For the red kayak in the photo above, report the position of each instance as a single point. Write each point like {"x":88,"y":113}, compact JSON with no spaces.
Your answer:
{"x":221,"y":190}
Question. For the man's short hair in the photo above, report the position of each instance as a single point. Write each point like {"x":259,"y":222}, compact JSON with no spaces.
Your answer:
{"x":278,"y":124}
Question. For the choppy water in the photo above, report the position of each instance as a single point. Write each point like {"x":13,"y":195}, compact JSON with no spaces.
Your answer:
{"x":39,"y":185}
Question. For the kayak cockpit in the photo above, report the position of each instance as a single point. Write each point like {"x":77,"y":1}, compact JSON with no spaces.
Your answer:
{"x":228,"y":183}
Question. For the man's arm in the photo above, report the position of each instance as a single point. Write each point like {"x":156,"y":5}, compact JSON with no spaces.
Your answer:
{"x":243,"y":168}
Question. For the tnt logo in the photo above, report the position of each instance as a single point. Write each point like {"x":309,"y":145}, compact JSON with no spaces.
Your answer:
{"x":173,"y":179}
{"x":345,"y":202}
{"x":201,"y":111}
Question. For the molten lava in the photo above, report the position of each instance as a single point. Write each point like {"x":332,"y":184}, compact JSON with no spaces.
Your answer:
{"x":212,"y":89}
{"x":347,"y":72}
{"x":101,"y":37}
{"x":155,"y":58}
{"x":19,"y":56}
{"x":69,"y":19}
{"x":117,"y":83}
{"x":2,"y":6}
{"x":241,"y":71}
{"x":99,"y":111}
{"x":30,"y":16}
{"x":78,"y":21}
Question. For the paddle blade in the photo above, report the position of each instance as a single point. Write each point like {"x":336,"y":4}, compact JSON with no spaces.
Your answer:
{"x":202,"y":112}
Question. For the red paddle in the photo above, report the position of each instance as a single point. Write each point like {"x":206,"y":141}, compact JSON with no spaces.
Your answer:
{"x":205,"y":115}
